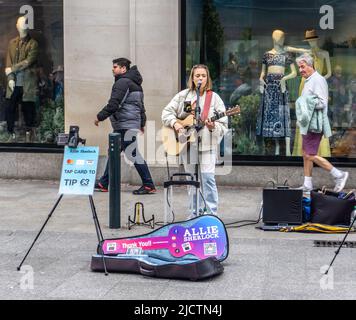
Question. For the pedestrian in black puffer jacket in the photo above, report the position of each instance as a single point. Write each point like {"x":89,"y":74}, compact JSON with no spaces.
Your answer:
{"x":125,"y":107}
{"x":127,"y":115}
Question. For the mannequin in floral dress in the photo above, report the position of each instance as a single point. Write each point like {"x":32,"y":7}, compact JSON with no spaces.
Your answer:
{"x":273,"y":120}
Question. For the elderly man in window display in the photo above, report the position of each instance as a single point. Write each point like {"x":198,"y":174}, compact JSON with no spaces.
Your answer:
{"x":21,"y":80}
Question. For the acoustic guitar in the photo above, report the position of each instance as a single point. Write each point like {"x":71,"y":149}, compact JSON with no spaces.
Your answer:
{"x":174,"y":143}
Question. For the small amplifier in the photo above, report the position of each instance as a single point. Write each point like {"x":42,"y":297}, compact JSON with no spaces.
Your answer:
{"x":282,"y":205}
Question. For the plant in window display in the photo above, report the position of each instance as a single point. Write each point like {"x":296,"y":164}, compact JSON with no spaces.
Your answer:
{"x":51,"y":95}
{"x":244,"y":139}
{"x":243,"y":145}
{"x":52,"y":121}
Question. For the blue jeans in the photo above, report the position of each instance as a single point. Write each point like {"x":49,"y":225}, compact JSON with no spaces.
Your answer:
{"x":207,"y":180}
{"x":210,"y":194}
{"x":140,"y":163}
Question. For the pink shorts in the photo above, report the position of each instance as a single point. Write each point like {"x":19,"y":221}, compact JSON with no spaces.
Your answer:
{"x":311,"y":142}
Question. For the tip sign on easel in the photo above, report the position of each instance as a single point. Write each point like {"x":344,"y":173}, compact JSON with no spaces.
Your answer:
{"x":79,"y":170}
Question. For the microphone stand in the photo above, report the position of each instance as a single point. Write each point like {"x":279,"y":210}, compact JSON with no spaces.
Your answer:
{"x":342,"y":243}
{"x":197,"y":126}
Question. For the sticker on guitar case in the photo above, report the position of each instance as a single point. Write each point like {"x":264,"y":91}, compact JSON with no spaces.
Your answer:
{"x":202,"y":237}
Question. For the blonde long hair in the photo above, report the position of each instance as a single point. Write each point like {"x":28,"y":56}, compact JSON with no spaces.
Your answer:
{"x":209,"y":83}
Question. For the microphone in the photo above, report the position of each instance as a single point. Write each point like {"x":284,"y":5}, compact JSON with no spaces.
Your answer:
{"x":199,"y":84}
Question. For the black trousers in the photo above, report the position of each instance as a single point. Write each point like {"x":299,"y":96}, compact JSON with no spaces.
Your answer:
{"x":140,"y":163}
{"x":28,"y":110}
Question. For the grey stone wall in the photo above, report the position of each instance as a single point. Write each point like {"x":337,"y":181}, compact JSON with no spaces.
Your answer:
{"x":146,"y":32}
{"x":48,"y":166}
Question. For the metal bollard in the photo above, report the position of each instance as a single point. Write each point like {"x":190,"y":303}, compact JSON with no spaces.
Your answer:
{"x":115,"y":180}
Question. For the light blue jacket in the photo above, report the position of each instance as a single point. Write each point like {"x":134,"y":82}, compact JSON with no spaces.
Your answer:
{"x":311,"y":119}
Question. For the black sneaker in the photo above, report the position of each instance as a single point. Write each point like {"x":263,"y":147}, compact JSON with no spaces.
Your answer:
{"x":99,"y":187}
{"x":145,"y":190}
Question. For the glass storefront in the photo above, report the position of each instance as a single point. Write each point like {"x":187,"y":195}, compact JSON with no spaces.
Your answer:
{"x":31,"y":71}
{"x":234,"y":38}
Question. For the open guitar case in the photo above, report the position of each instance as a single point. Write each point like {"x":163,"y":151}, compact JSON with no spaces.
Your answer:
{"x":192,"y":250}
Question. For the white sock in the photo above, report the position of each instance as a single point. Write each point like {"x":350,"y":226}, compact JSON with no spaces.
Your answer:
{"x":308,"y":182}
{"x":336,"y":173}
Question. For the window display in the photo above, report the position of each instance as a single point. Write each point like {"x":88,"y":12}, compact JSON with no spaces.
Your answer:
{"x":31,"y":68}
{"x":265,"y":82}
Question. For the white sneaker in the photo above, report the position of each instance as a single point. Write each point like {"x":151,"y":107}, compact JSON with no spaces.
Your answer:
{"x":340,"y":182}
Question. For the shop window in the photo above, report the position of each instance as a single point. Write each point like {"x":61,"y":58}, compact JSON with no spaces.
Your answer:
{"x":232,"y":38}
{"x":31,"y":71}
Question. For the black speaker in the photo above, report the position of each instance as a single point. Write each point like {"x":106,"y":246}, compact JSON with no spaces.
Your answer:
{"x":282,"y":206}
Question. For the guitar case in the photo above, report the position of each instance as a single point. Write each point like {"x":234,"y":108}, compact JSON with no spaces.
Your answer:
{"x":191,"y":250}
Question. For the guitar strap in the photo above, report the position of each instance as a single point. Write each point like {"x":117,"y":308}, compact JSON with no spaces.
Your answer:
{"x":207,"y":103}
{"x":204,"y":115}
